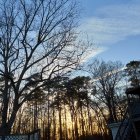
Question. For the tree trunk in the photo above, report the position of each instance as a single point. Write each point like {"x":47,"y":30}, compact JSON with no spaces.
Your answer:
{"x":65,"y":122}
{"x":54,"y":124}
{"x":82,"y":121}
{"x":60,"y":125}
{"x":6,"y":127}
{"x":111,"y":118}
{"x":89,"y":119}
{"x":76,"y":128}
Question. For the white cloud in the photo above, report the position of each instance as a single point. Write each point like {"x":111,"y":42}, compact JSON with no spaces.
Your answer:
{"x":112,"y":24}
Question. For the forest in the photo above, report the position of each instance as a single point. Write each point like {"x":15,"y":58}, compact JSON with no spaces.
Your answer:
{"x":45,"y":82}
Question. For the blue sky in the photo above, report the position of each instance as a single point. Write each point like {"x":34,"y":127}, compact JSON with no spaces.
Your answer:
{"x":114,"y":27}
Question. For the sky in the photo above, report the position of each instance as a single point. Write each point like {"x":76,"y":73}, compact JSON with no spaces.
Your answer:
{"x":114,"y":27}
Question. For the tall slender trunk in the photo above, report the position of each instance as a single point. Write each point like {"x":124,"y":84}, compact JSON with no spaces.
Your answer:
{"x":35,"y":116}
{"x":66,"y":133}
{"x":76,"y":128}
{"x":82,"y":122}
{"x":72,"y":120}
{"x":89,"y":119}
{"x":71,"y":106}
{"x":48,"y":128}
{"x":48,"y":119}
{"x":60,"y":125}
{"x":32,"y":108}
{"x":54,"y":124}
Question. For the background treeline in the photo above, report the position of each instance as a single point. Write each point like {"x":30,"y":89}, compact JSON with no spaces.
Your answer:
{"x":79,"y":107}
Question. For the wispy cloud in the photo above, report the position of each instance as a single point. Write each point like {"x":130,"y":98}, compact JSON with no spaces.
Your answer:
{"x":92,"y":52}
{"x":113,"y":23}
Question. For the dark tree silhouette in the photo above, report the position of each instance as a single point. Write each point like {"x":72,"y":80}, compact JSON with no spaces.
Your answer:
{"x":38,"y":39}
{"x":106,"y":77}
{"x":133,"y":72}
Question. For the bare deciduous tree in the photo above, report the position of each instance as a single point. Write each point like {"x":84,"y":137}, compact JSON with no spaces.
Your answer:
{"x":37,"y":39}
{"x":106,"y":77}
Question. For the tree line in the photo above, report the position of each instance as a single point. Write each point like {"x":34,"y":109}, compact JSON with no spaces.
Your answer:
{"x":80,"y":107}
